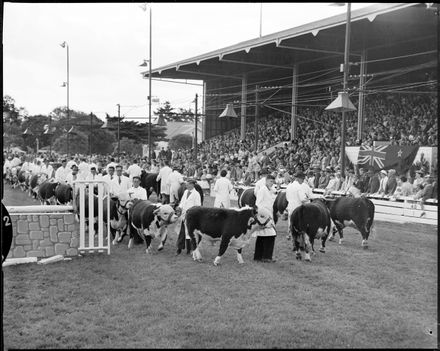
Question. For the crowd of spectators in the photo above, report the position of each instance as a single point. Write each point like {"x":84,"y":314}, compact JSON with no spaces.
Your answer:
{"x":399,"y":119}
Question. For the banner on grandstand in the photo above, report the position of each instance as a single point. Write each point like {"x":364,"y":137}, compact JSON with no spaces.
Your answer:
{"x":385,"y":157}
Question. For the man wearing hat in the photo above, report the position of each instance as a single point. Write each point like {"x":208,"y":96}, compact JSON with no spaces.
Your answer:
{"x":222,"y":190}
{"x":297,"y":192}
{"x":136,"y":191}
{"x":190,"y":198}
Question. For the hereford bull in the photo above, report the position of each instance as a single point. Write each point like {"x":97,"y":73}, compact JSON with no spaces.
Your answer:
{"x":150,"y":184}
{"x":46,"y":192}
{"x":229,"y":226}
{"x":118,"y":214}
{"x":280,"y":206}
{"x":34,"y":183}
{"x":246,"y":197}
{"x":308,"y":222}
{"x":63,"y":194}
{"x":352,"y":212}
{"x":23,"y":179}
{"x":148,"y":220}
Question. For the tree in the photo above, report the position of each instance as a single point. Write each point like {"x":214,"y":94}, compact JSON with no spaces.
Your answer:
{"x":181,"y":141}
{"x":185,"y":115}
{"x":165,"y":111}
{"x":129,"y":146}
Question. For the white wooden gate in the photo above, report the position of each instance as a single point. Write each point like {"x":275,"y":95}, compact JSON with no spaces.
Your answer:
{"x":88,"y":242}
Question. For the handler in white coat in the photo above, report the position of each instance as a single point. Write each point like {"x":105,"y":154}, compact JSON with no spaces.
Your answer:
{"x":265,"y":242}
{"x":222,"y":190}
{"x":163,"y":175}
{"x":297,"y":193}
{"x":175,"y":179}
{"x":190,"y":198}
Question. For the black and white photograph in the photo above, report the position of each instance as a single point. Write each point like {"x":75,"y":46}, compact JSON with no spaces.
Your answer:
{"x":169,"y":167}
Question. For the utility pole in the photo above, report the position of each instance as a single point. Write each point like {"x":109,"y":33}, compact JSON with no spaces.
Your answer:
{"x":195,"y":132}
{"x":119,"y":139}
{"x":256,"y":118}
{"x":344,"y":89}
{"x":90,"y":135}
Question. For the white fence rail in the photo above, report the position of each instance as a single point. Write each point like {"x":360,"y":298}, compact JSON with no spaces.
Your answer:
{"x":89,"y":241}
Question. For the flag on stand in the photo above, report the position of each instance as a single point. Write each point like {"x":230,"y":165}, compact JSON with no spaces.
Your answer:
{"x":387,"y":157}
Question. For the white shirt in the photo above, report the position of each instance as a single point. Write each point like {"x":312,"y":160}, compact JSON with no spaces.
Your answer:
{"x":137,"y":193}
{"x":190,"y":201}
{"x":296,"y":195}
{"x":15,"y":162}
{"x":91,"y":177}
{"x":109,"y":165}
{"x":70,"y":163}
{"x":83,"y":169}
{"x":222,"y":189}
{"x":47,"y":169}
{"x":174,"y":180}
{"x":163,"y":175}
{"x":259,"y":184}
{"x":265,"y":199}
{"x":35,"y":168}
{"x":125,"y":184}
{"x":26,"y":166}
{"x":134,"y":170}
{"x":70,"y":178}
{"x":61,"y":174}
{"x":109,"y":181}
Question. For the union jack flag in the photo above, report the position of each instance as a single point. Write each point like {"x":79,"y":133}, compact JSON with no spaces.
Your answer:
{"x":373,"y":156}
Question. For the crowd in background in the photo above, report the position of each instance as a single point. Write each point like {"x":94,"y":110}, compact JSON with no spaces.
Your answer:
{"x":400,"y":119}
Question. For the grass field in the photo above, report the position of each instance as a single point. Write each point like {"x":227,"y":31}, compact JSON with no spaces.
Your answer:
{"x":383,"y":297}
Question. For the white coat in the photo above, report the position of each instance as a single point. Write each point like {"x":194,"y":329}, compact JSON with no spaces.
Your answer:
{"x":222,"y":189}
{"x":296,"y":195}
{"x":163,"y":175}
{"x":186,"y":203}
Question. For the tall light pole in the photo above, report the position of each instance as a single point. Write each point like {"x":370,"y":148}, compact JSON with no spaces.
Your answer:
{"x":342,"y":103}
{"x":67,"y":85}
{"x":149,"y":97}
{"x":119,"y":139}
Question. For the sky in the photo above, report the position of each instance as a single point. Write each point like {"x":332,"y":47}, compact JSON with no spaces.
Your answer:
{"x":108,"y":41}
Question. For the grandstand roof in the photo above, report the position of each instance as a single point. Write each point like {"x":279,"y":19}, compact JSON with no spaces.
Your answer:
{"x":386,"y":30}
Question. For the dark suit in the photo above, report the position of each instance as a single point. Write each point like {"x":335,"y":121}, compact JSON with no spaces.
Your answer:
{"x":373,"y":184}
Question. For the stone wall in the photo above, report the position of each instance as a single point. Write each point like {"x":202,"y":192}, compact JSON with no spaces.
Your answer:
{"x":44,"y":235}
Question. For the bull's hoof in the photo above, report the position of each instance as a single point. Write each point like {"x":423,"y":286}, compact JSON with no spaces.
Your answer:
{"x":199,"y":260}
{"x":288,"y":237}
{"x":148,"y":251}
{"x":322,"y":250}
{"x":160,"y":248}
{"x":332,"y":238}
{"x":341,"y":241}
{"x":307,"y":258}
{"x":215,"y":263}
{"x":119,"y":240}
{"x":114,"y":242}
{"x":298,"y":256}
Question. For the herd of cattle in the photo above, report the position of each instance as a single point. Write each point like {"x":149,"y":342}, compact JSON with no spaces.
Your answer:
{"x":143,"y":220}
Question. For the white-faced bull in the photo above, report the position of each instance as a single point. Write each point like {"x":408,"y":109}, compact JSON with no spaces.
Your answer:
{"x":229,"y":226}
{"x":352,"y":212}
{"x":308,"y":222}
{"x":147,"y":220}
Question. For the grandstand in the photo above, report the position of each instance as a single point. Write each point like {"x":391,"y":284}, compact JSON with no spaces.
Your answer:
{"x":294,"y":74}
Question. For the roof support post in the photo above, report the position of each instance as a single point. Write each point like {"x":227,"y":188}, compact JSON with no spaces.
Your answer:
{"x":361,"y":104}
{"x":243,"y":107}
{"x":294,"y":117}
